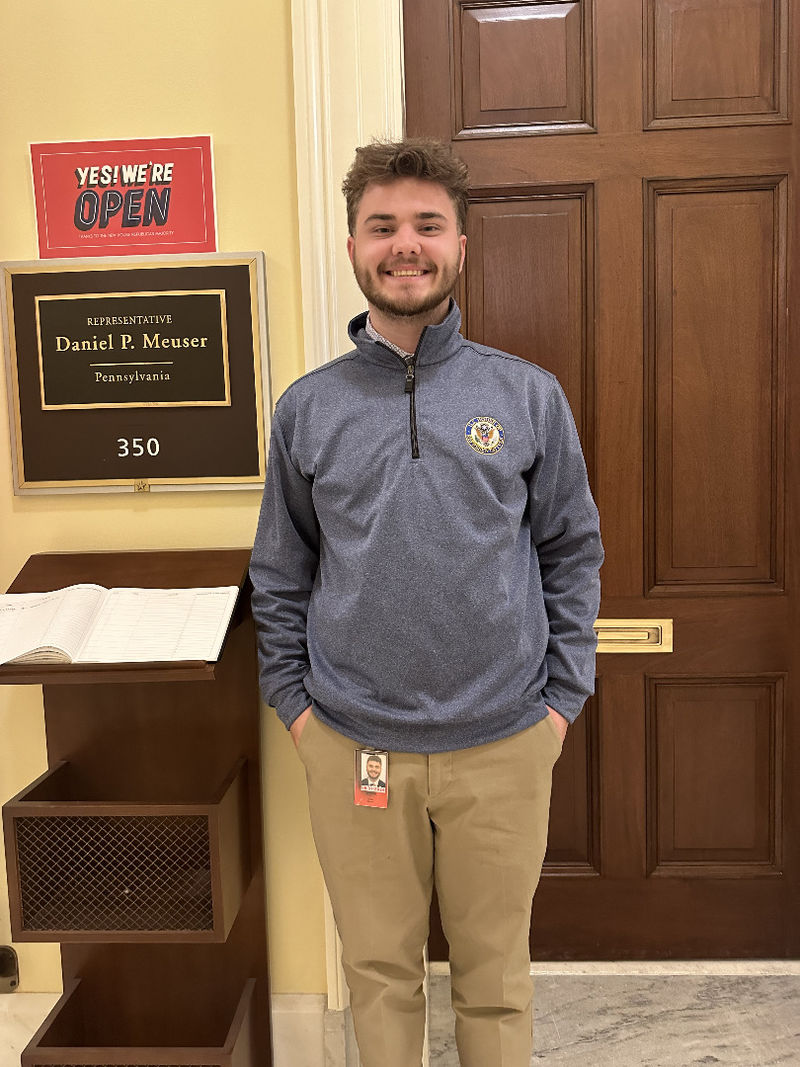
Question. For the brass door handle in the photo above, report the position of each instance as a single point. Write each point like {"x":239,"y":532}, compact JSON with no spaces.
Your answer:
{"x":634,"y":635}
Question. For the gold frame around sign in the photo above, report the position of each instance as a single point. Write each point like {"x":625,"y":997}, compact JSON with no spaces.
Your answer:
{"x":259,"y":333}
{"x":147,"y":403}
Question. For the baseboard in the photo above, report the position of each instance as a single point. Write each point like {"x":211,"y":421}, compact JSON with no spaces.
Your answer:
{"x":340,"y":1040}
{"x":306,"y":1034}
{"x":298,"y":1030}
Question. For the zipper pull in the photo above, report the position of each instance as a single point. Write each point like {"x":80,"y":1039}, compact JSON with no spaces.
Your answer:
{"x":409,"y":378}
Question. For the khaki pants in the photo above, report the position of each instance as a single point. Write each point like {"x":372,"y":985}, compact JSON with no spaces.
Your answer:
{"x":474,"y":822}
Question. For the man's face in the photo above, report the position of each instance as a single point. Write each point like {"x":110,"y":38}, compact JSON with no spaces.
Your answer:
{"x":373,"y":769}
{"x":406,"y":250}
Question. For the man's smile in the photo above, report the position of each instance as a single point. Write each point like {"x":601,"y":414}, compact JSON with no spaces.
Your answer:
{"x":406,"y":250}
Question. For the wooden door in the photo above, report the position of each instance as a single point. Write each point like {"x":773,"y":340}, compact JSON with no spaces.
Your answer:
{"x":632,"y":229}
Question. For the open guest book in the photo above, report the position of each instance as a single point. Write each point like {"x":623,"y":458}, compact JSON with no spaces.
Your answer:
{"x":90,"y":624}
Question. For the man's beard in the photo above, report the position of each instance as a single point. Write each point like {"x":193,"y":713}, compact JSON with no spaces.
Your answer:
{"x":409,"y":304}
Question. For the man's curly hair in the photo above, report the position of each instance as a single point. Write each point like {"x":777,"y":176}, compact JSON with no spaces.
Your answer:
{"x":413,"y":157}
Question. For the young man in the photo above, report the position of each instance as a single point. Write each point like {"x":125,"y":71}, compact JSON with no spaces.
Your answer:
{"x":374,"y":766}
{"x":425,"y":581}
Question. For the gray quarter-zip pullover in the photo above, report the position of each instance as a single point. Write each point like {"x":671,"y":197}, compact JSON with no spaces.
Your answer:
{"x":425,"y":568}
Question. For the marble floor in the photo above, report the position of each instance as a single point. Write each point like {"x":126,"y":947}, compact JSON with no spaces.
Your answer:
{"x":652,"y":1018}
{"x":21,"y":1015}
{"x":597,"y":1015}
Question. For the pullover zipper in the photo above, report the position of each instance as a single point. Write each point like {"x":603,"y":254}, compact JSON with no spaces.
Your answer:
{"x":410,"y":387}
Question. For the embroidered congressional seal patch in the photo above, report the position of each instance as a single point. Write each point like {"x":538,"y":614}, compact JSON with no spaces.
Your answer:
{"x":484,"y":434}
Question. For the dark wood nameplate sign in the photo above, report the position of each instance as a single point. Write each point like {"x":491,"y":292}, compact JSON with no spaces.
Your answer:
{"x":136,"y":374}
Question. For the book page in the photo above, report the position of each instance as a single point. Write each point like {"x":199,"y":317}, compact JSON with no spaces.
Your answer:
{"x":139,"y":625}
{"x":54,"y":622}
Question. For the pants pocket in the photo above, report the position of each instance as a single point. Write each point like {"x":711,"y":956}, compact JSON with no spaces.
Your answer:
{"x":554,"y":731}
{"x":302,"y":744}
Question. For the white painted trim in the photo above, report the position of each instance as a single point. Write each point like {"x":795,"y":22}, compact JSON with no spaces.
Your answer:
{"x":312,"y":148}
{"x":426,"y":987}
{"x":298,"y":1030}
{"x":338,"y":994}
{"x":348,"y":73}
{"x":341,"y":1049}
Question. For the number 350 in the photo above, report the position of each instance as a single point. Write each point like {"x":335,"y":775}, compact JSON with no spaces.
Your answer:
{"x":137,"y":446}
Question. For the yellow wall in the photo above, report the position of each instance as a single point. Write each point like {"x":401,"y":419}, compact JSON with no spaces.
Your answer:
{"x":95,"y":71}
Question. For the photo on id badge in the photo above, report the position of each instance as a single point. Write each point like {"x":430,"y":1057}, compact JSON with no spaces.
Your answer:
{"x":371,"y":778}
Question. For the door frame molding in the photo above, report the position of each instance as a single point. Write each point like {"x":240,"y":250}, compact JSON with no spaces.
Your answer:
{"x":348,"y":88}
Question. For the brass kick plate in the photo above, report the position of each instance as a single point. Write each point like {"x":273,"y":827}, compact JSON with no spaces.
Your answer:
{"x":634,"y":635}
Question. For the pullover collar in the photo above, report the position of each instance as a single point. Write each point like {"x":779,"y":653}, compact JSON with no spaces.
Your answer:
{"x":373,"y":335}
{"x":436,"y":344}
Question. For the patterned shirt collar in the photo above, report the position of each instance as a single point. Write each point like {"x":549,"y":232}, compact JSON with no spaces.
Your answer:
{"x":373,"y":334}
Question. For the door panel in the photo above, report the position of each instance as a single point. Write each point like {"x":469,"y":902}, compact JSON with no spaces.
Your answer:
{"x":530,"y":285}
{"x":718,"y":297}
{"x":629,"y":229}
{"x":716,"y":63}
{"x":716,"y":757}
{"x":532,"y":63}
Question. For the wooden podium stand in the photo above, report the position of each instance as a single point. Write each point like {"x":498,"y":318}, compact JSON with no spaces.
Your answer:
{"x":140,"y":850}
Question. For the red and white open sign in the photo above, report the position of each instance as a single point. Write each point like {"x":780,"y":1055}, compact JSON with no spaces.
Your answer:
{"x":115,"y":198}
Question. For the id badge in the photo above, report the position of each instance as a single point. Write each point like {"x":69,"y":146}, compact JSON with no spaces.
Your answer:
{"x":371,"y":785}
